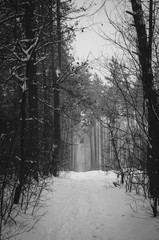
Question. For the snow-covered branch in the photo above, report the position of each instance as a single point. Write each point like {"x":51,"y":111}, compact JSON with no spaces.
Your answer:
{"x":27,"y":52}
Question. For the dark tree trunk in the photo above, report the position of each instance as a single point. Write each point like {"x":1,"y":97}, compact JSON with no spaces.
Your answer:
{"x":56,"y":136}
{"x":150,"y":96}
{"x":56,"y":92}
{"x":32,"y":141}
{"x":29,"y":131}
{"x":22,"y":149}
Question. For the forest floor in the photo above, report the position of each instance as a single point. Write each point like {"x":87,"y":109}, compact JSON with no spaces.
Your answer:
{"x":87,"y":206}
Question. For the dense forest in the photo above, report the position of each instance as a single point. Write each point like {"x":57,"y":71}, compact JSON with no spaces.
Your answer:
{"x":54,"y":108}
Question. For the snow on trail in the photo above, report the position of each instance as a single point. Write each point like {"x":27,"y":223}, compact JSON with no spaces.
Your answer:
{"x":86,"y":206}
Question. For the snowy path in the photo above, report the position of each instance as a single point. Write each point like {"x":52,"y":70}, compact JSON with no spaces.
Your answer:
{"x":85,"y":206}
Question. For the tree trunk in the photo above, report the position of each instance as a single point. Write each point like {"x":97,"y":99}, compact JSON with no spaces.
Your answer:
{"x":56,"y":92}
{"x":32,"y":141}
{"x":22,"y":149}
{"x":150,"y":96}
{"x":29,"y":138}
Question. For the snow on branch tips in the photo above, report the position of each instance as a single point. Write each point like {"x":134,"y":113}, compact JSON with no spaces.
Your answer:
{"x":22,"y":80}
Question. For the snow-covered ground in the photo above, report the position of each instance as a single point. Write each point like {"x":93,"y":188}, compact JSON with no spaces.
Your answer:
{"x":87,"y":206}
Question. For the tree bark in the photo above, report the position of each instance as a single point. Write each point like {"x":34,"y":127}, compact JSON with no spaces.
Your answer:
{"x":22,"y":149}
{"x":32,"y":140}
{"x":29,"y":131}
{"x":150,"y":96}
{"x":56,"y":92}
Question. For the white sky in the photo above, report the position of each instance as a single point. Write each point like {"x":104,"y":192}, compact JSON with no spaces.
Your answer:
{"x":88,"y":42}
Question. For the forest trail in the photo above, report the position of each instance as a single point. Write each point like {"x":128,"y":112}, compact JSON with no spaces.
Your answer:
{"x":86,"y":206}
